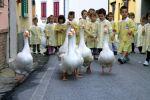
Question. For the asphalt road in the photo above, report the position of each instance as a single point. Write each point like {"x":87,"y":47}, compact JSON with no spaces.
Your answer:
{"x":129,"y":81}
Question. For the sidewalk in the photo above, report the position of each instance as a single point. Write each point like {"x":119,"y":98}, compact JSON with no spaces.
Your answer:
{"x":8,"y":77}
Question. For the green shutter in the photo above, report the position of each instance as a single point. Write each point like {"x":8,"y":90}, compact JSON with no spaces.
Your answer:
{"x":24,"y":7}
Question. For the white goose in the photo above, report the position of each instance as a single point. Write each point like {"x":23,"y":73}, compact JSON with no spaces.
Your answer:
{"x":85,"y":51}
{"x":63,"y":49}
{"x":106,"y":57}
{"x":24,"y":59}
{"x":72,"y":59}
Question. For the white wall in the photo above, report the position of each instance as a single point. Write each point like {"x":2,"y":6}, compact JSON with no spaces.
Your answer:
{"x":79,"y":5}
{"x":71,"y":5}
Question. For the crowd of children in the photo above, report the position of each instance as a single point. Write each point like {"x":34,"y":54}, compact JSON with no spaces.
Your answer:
{"x":99,"y":27}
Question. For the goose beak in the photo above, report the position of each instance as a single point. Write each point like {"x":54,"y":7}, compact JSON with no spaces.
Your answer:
{"x":73,"y":31}
{"x":26,"y":33}
{"x":70,"y":33}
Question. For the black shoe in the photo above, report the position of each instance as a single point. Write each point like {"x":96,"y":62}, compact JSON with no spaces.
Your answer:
{"x":115,"y":52}
{"x":46,"y":53}
{"x":121,"y":60}
{"x":34,"y":52}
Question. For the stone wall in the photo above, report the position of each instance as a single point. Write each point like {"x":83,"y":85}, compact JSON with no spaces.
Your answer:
{"x":3,"y":45}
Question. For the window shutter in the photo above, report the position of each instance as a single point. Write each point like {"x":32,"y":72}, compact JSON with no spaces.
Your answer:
{"x":24,"y":6}
{"x":43,"y":10}
{"x":56,"y":9}
{"x":1,"y":3}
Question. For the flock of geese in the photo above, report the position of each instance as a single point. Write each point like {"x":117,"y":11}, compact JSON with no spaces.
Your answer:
{"x":72,"y":57}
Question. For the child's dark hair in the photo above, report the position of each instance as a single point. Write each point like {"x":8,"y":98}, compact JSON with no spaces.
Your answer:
{"x":97,"y":11}
{"x":61,"y":17}
{"x":147,"y":14}
{"x":83,"y":11}
{"x":123,"y":7}
{"x":48,"y":19}
{"x":143,"y":18}
{"x":102,"y":11}
{"x":93,"y":14}
{"x":34,"y":19}
{"x":110,"y":13}
{"x":131,"y":14}
{"x":71,"y":13}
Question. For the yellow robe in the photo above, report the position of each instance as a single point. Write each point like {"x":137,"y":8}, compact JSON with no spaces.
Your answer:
{"x":91,"y":34}
{"x":114,"y":35}
{"x":147,"y":33}
{"x":50,"y":34}
{"x":60,"y":32}
{"x":101,"y":35}
{"x":125,"y":39}
{"x":35,"y":35}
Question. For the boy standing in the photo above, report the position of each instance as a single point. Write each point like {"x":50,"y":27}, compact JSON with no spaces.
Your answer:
{"x":36,"y":34}
{"x":104,"y":29}
{"x":125,"y":34}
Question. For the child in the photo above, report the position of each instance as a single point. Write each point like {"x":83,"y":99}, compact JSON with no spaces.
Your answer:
{"x":71,"y":22}
{"x":132,"y":16}
{"x":92,"y":31}
{"x":90,"y":11}
{"x":60,"y":31}
{"x":36,"y":34}
{"x":114,"y":34}
{"x":50,"y":35}
{"x":104,"y":29}
{"x":83,"y":21}
{"x":147,"y":33}
{"x":125,"y":34}
{"x":141,"y":39}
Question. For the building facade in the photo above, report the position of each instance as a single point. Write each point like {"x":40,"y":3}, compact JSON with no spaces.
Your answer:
{"x":139,"y":7}
{"x":62,"y":7}
{"x":24,"y":17}
{"x":3,"y":31}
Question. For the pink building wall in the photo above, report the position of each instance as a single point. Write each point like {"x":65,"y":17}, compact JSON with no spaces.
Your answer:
{"x":4,"y":16}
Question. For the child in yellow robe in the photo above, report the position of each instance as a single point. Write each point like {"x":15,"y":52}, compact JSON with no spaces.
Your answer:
{"x":132,"y":16}
{"x":50,"y":35}
{"x":147,"y":33}
{"x":125,"y":33}
{"x":92,"y":32}
{"x":113,"y":37}
{"x":35,"y":38}
{"x":104,"y":29}
{"x":60,"y":31}
{"x":73,"y":23}
{"x":141,"y":37}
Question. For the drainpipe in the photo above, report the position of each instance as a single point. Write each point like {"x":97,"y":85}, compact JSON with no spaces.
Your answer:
{"x":64,"y":7}
{"x":108,"y":5}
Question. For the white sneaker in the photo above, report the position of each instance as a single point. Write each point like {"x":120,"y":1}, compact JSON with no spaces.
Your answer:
{"x":146,"y":63}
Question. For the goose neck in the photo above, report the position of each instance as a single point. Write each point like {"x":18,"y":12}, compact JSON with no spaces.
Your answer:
{"x":82,"y":36}
{"x":71,"y":44}
{"x":26,"y":44}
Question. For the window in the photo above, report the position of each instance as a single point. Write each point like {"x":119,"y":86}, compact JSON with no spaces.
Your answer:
{"x":113,"y":5}
{"x":43,"y":10}
{"x":56,"y":9}
{"x":126,"y":3}
{"x":24,"y":7}
{"x":33,"y":2}
{"x":1,"y":3}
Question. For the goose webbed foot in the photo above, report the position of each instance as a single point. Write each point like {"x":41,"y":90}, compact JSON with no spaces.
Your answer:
{"x":64,"y":77}
{"x":89,"y":70}
{"x":103,"y":70}
{"x":110,"y":69}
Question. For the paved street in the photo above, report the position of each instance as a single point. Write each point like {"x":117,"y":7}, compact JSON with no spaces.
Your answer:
{"x":130,"y":81}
